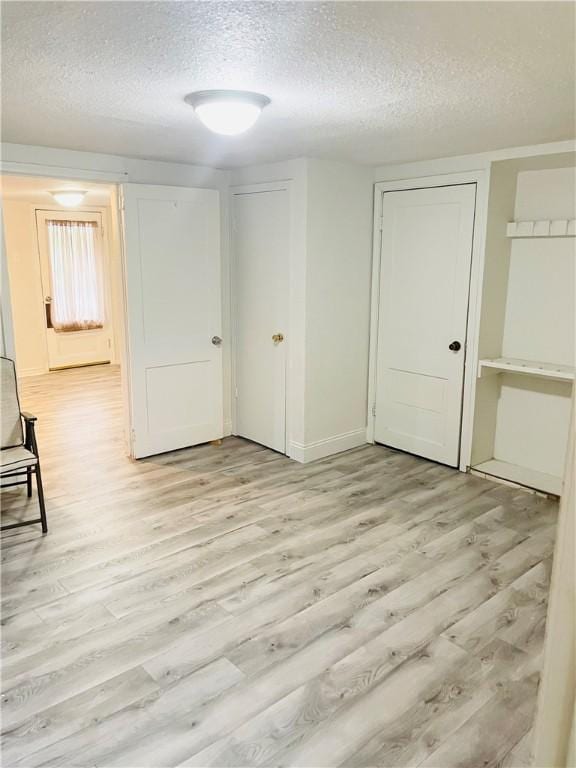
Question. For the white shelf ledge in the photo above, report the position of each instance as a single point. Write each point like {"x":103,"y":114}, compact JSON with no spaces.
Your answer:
{"x":542,"y":228}
{"x":529,"y":367}
{"x":530,"y":478}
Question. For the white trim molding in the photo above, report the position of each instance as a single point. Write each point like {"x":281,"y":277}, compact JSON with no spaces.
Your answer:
{"x":478,"y":161}
{"x":305,"y":453}
{"x":14,"y":168}
{"x":26,"y":372}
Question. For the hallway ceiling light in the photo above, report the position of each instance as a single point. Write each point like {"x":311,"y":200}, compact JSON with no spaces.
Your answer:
{"x":69,"y":197}
{"x":227,"y":112}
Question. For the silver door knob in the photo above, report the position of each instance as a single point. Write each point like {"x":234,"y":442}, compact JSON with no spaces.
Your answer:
{"x":216,"y":340}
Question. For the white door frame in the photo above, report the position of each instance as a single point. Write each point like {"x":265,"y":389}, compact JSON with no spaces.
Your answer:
{"x":6,"y":322}
{"x":243,"y":189}
{"x":480,"y":178}
{"x":75,"y":174}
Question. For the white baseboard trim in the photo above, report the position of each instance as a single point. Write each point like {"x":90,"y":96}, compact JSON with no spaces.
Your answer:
{"x":24,"y":372}
{"x":227,"y":428}
{"x":322,"y":448}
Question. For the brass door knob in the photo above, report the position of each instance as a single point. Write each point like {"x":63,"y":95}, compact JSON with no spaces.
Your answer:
{"x":277,"y":338}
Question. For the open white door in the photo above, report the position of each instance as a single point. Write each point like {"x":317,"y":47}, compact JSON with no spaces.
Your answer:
{"x":424,"y":288}
{"x":172,"y":266}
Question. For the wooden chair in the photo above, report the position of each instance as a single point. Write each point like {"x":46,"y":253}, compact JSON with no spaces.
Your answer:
{"x":19,"y":451}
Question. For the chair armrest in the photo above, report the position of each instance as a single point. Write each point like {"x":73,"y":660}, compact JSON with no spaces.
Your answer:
{"x":30,"y":434}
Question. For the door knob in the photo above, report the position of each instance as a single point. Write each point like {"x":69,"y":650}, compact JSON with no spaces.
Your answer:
{"x":277,"y":338}
{"x":455,"y":346}
{"x":216,"y":340}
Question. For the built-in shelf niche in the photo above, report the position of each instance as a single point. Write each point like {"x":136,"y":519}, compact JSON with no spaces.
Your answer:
{"x":526,"y":345}
{"x":527,"y":367}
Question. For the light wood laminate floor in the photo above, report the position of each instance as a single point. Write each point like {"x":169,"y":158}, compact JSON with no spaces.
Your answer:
{"x":225,"y":606}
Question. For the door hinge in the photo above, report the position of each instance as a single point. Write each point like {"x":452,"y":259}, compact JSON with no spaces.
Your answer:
{"x":236,"y":392}
{"x":374,"y":410}
{"x":381,"y":223}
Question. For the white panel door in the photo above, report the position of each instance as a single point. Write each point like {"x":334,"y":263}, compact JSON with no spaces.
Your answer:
{"x":172,"y":263}
{"x":261,"y":248}
{"x":87,"y":346}
{"x":424,"y":286}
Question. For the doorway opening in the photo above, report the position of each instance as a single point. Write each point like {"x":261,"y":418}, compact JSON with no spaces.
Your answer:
{"x":68,"y":313}
{"x":65,"y":274}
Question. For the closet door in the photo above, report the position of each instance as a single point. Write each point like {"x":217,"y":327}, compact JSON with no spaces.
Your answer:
{"x":424,"y":286}
{"x":173,"y":291}
{"x":260,"y":245}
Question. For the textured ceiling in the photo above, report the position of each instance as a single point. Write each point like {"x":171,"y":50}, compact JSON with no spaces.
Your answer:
{"x":369,"y":82}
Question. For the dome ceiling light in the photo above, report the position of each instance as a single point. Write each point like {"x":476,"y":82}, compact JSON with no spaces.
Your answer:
{"x":227,"y":112}
{"x":69,"y":198}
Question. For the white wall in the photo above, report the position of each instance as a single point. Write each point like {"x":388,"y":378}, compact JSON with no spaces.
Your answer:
{"x":331,"y":222}
{"x":338,"y":268}
{"x":6,"y":319}
{"x":554,"y":740}
{"x":502,"y":192}
{"x":293,"y":170}
{"x":539,"y":322}
{"x":25,"y":287}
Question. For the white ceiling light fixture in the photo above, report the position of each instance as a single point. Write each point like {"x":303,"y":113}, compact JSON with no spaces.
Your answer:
{"x":227,"y":112}
{"x":69,"y":198}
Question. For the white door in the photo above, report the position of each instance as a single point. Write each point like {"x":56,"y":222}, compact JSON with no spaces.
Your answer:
{"x":424,"y":285}
{"x":75,"y":281}
{"x":260,"y":301}
{"x":172,"y":272}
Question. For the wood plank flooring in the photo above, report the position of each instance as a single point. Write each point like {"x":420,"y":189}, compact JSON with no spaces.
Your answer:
{"x":225,"y":606}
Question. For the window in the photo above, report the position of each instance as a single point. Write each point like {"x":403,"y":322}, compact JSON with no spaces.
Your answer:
{"x":76,"y":275}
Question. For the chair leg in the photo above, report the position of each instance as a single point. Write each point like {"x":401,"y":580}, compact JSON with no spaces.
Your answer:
{"x":29,"y":481}
{"x":43,"y":519}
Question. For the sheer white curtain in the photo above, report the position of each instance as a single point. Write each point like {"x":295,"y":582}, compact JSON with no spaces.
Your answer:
{"x":77,"y":296}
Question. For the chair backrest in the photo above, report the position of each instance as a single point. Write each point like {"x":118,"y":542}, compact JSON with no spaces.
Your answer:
{"x":12,"y":432}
